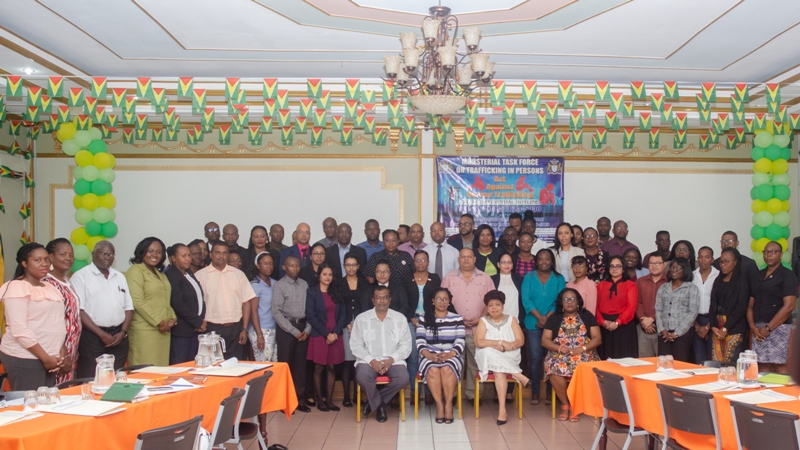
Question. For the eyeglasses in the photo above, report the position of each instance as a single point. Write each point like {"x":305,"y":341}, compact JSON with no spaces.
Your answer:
{"x":725,"y":261}
{"x":351,"y":265}
{"x":317,"y":253}
{"x":771,"y":252}
{"x":465,"y":224}
{"x":106,"y":255}
{"x":621,"y":228}
{"x":569,"y":299}
{"x":211,"y":230}
{"x":615,"y":266}
{"x":382,"y":272}
{"x":505,"y":262}
{"x":727,"y":241}
{"x":441,"y":299}
{"x":589,"y":236}
{"x":655,"y":263}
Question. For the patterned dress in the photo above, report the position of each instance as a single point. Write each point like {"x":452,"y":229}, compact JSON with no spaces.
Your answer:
{"x":450,"y":336}
{"x":572,"y":333}
{"x":596,"y":266}
{"x":72,"y":317}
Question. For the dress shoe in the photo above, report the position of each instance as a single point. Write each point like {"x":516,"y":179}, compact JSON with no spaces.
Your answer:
{"x":322,"y":406}
{"x":381,"y":414}
{"x":303,"y":408}
{"x":366,"y":410}
{"x":347,"y":403}
{"x":332,"y":407}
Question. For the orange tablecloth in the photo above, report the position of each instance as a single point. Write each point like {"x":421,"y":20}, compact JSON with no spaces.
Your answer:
{"x":119,"y":431}
{"x":584,"y":395}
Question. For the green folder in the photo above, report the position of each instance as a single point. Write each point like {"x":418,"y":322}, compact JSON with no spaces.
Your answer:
{"x":775,"y":378}
{"x":122,"y":392}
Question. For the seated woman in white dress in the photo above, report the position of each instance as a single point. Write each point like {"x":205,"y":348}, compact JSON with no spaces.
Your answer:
{"x":497,"y":341}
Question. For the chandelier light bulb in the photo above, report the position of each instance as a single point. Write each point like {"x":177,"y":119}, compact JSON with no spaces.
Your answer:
{"x":472,"y":37}
{"x":465,"y":75}
{"x":489,"y":71}
{"x":392,"y":64}
{"x":411,"y":57}
{"x":408,"y":40}
{"x":430,"y":29}
{"x":448,"y":56}
{"x":479,"y":61}
{"x":402,"y":77}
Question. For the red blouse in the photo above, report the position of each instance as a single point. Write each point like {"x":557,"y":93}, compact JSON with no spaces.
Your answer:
{"x":623,"y":302}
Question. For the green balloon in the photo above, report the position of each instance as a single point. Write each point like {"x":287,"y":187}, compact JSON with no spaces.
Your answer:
{"x":782,"y":192}
{"x":757,"y":232}
{"x":781,"y":140}
{"x":82,"y":138}
{"x":100,"y":187}
{"x":773,"y":152}
{"x":754,"y":193}
{"x":112,"y":215}
{"x":101,"y":214}
{"x":757,"y":153}
{"x":762,"y":219}
{"x":79,"y":264}
{"x":773,"y":232}
{"x":785,"y":234}
{"x":758,"y":257}
{"x":758,"y":178}
{"x":782,"y":219}
{"x":70,"y":147}
{"x":82,"y":187}
{"x":109,"y":176}
{"x":82,"y":252}
{"x":763,"y":192}
{"x":90,"y":173}
{"x":96,"y":146}
{"x":83,"y":216}
{"x":763,"y":139}
{"x":95,"y":133}
{"x":77,"y":172}
{"x":110,"y":229}
{"x":786,"y":153}
{"x":782,"y":179}
{"x":93,"y":228}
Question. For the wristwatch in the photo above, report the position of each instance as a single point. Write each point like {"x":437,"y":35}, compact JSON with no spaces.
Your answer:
{"x":766,"y":327}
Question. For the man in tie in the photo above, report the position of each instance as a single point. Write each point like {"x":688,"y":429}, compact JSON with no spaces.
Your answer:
{"x":444,"y":257}
{"x":301,"y":250}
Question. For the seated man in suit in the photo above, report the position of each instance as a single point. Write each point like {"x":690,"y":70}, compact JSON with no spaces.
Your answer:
{"x":381,"y":342}
{"x":300,"y":250}
{"x":334,"y":255}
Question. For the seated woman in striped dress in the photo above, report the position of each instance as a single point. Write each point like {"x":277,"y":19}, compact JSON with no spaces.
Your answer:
{"x":440,"y":342}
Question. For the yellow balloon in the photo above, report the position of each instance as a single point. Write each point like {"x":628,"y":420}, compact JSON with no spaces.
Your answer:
{"x":92,"y":241}
{"x":757,"y":206}
{"x":763,"y":165}
{"x":761,"y":243}
{"x":79,"y":236}
{"x":77,"y":201}
{"x":102,"y":160}
{"x":84,"y":158}
{"x":771,"y":127}
{"x":785,"y":206}
{"x":773,"y":206}
{"x":90,"y":201}
{"x":113,"y":161}
{"x":108,"y":201}
{"x":784,"y":243}
{"x":66,"y":132}
{"x":779,"y":167}
{"x":754,"y":246}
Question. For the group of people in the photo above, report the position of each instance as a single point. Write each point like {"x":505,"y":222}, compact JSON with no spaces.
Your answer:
{"x":395,"y":306}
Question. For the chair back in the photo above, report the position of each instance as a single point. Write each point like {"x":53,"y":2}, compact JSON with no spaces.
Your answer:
{"x":712,"y":363}
{"x":612,"y":391}
{"x":226,"y":417}
{"x":75,"y":382}
{"x":136,"y":367}
{"x":181,"y":436}
{"x":254,"y":396}
{"x":11,"y":395}
{"x":687,"y":410}
{"x":765,"y":428}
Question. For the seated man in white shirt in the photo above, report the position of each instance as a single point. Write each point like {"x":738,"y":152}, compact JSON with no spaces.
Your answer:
{"x":381,"y":342}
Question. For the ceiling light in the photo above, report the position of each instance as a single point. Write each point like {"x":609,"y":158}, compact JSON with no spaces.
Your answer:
{"x":28,"y":71}
{"x":436,"y":76}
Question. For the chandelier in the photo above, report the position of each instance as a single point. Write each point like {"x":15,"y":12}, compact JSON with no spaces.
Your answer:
{"x":437,"y":77}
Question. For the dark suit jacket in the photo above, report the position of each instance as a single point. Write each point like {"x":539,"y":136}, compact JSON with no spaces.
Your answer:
{"x":749,"y":272}
{"x":434,"y":282}
{"x":518,"y":283}
{"x":456,"y":241}
{"x":399,"y":298}
{"x":352,"y":299}
{"x":480,"y":260}
{"x":332,"y":259}
{"x":317,"y":315}
{"x":293,"y":251}
{"x":247,"y":263}
{"x":184,"y":301}
{"x":252,"y":271}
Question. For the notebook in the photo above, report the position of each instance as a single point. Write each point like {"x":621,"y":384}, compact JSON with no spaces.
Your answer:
{"x":122,"y":392}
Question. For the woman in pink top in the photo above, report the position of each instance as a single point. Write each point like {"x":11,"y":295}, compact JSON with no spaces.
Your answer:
{"x":583,"y":284}
{"x":33,"y":350}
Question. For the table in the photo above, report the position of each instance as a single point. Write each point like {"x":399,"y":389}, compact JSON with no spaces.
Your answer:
{"x":584,"y":395}
{"x":119,"y":431}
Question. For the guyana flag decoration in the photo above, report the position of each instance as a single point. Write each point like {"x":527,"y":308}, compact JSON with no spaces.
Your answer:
{"x":14,"y":86}
{"x":654,"y":136}
{"x":316,"y":136}
{"x":352,"y":88}
{"x":671,"y":90}
{"x":224,"y":134}
{"x":254,"y":134}
{"x":565,"y":140}
{"x":529,"y":91}
{"x":185,"y":86}
{"x":509,"y":139}
{"x":564,"y":91}
{"x":638,"y":91}
{"x":25,"y":210}
{"x":602,"y":91}
{"x":497,"y":95}
{"x":269,"y":88}
{"x":2,"y":206}
{"x":287,"y":135}
{"x":439,"y":138}
{"x":55,"y":86}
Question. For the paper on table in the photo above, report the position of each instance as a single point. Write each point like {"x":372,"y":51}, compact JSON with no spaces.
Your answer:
{"x":166,"y":370}
{"x":715,"y":386}
{"x":234,"y":362}
{"x":234,"y":371}
{"x":7,"y":417}
{"x":91,"y":408}
{"x":766,"y":396}
{"x":700,"y":371}
{"x":662,"y":376}
{"x":179,"y":385}
{"x":630,"y":362}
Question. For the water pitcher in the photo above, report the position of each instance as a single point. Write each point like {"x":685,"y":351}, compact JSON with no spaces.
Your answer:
{"x":217,"y":347}
{"x":104,"y":375}
{"x":747,"y":369}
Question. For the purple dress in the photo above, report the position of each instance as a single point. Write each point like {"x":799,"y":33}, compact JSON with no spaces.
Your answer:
{"x":318,"y":349}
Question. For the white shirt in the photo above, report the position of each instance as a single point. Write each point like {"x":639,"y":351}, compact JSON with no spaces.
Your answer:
{"x":197,"y":291}
{"x":449,"y":257}
{"x":373,"y":338}
{"x":507,"y":286}
{"x":538,"y":245}
{"x":705,"y":288}
{"x":105,"y":300}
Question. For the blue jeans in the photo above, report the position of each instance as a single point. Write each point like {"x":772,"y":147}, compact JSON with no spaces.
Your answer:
{"x":413,"y":359}
{"x":702,"y":347}
{"x":537,"y":358}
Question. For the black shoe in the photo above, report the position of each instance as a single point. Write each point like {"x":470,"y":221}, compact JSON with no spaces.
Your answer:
{"x":366,"y":410}
{"x":332,"y":407}
{"x":347,"y":404}
{"x":501,"y":422}
{"x":322,"y":406}
{"x":381,"y":414}
{"x":303,"y":408}
{"x":394,"y":404}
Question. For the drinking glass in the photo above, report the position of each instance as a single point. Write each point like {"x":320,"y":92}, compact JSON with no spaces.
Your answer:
{"x":670,"y":362}
{"x":730,"y":373}
{"x":53,"y":396}
{"x":662,"y":363}
{"x":41,"y":395}
{"x":122,"y":376}
{"x":30,"y":401}
{"x":86,"y":392}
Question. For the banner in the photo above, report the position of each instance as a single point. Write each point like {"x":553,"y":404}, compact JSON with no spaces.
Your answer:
{"x":492,"y":187}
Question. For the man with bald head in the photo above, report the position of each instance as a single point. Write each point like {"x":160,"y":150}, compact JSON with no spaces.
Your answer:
{"x":212,"y":233}
{"x":620,"y":244}
{"x":443,"y":256}
{"x":230,"y":234}
{"x":415,"y":237}
{"x":334,"y":255}
{"x":301,"y":250}
{"x":276,"y":235}
{"x":329,"y":227}
{"x":603,"y":230}
{"x":106,"y":310}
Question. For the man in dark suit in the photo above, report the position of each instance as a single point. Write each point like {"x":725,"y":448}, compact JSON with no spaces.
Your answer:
{"x":398,"y":291}
{"x":466,"y":233}
{"x":301,"y":250}
{"x":334,"y":255}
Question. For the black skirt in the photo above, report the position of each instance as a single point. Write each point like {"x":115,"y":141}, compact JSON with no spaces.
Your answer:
{"x":620,"y":343}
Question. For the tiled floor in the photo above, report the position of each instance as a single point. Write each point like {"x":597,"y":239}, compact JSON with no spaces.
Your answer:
{"x":339,"y":431}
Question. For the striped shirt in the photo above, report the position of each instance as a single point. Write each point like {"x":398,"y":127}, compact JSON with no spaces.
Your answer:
{"x":450,"y":335}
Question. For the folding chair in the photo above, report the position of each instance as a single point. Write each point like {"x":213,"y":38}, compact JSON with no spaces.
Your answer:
{"x":615,"y":398}
{"x":250,"y":408}
{"x":689,"y":411}
{"x":758,"y":427}
{"x":383,"y":379}
{"x":490,"y":379}
{"x":75,"y":382}
{"x":226,"y":419}
{"x":555,"y":398}
{"x":418,"y":380}
{"x":11,"y":395}
{"x":181,"y":436}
